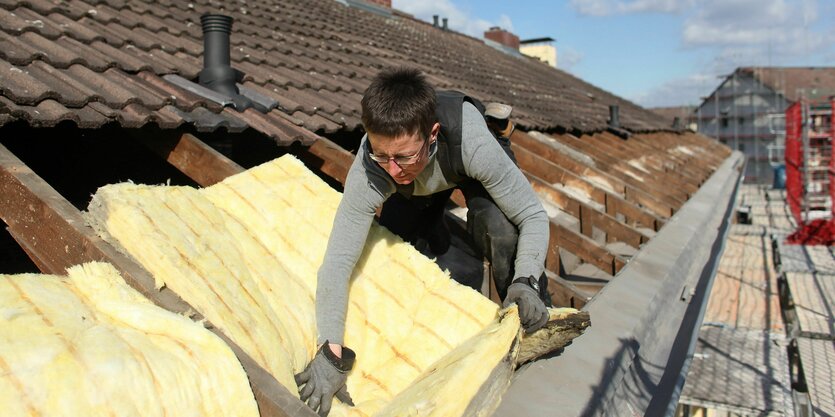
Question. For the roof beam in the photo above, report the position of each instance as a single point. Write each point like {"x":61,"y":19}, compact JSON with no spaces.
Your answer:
{"x":614,"y":204}
{"x":55,"y":235}
{"x":655,"y":158}
{"x":616,"y":157}
{"x":660,"y":205}
{"x":192,"y":157}
{"x":589,"y":216}
{"x":623,"y":170}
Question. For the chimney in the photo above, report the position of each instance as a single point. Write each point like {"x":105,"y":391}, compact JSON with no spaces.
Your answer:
{"x":445,"y":27}
{"x":434,"y":20}
{"x":497,"y":34}
{"x":614,"y":120}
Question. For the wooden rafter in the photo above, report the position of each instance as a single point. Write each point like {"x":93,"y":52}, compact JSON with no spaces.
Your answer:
{"x":192,"y":157}
{"x":622,"y":169}
{"x":614,"y":153}
{"x":613,"y":203}
{"x":54,"y":234}
{"x":660,"y":205}
{"x":656,"y":159}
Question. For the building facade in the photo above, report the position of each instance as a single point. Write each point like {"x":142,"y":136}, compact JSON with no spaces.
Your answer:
{"x":747,"y":112}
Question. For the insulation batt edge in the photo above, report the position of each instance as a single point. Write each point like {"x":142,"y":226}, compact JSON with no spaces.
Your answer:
{"x":89,"y":345}
{"x":245,"y":252}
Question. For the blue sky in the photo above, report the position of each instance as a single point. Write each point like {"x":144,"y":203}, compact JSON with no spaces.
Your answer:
{"x":655,"y":52}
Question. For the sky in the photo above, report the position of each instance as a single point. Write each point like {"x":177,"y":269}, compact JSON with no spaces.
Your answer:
{"x":656,"y":53}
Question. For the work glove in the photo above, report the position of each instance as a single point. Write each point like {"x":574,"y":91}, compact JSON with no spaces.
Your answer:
{"x":325,"y":377}
{"x":532,"y":311}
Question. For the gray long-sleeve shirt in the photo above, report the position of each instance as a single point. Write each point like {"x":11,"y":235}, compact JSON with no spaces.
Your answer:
{"x":484,"y":160}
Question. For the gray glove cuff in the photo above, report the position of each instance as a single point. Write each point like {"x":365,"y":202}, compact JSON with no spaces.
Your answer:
{"x":343,"y":364}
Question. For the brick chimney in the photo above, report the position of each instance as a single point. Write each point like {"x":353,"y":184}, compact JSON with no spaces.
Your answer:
{"x":497,"y":34}
{"x":386,"y":3}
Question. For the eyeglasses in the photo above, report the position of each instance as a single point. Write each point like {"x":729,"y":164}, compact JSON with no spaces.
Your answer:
{"x":400,"y":160}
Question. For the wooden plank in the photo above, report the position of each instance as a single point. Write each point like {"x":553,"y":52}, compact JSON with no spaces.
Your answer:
{"x":614,"y":229}
{"x":564,"y":293}
{"x":662,"y":205}
{"x":329,"y":158}
{"x":192,"y":157}
{"x":586,"y":249}
{"x":56,"y":235}
{"x":547,"y":171}
{"x":623,"y":170}
{"x":813,"y":295}
{"x":648,"y":156}
{"x":817,"y":358}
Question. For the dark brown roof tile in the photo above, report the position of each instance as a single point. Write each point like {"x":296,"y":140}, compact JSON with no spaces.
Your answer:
{"x":316,"y":123}
{"x":17,"y":84}
{"x":130,"y":59}
{"x":49,"y":113}
{"x":315,"y":57}
{"x":80,"y":29}
{"x":184,"y":100}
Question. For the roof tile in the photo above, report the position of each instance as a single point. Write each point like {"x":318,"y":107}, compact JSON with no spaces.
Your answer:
{"x":17,"y":84}
{"x":314,"y":56}
{"x":185,"y":100}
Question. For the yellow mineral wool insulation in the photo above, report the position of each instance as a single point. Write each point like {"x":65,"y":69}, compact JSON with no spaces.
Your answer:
{"x":89,"y":345}
{"x":245,"y":253}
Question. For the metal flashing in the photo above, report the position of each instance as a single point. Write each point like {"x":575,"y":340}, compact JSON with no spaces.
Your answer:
{"x":633,"y":359}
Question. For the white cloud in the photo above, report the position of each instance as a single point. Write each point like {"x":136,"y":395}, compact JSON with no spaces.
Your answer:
{"x":678,"y":92}
{"x":460,"y":20}
{"x":568,"y":58}
{"x":611,"y":7}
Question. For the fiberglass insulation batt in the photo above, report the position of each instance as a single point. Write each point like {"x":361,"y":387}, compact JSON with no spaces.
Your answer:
{"x":245,"y":253}
{"x":89,"y":345}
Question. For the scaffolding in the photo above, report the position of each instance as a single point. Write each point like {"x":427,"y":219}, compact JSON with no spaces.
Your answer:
{"x":810,"y":171}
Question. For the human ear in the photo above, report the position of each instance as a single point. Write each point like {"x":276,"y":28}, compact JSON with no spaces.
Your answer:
{"x":436,"y":128}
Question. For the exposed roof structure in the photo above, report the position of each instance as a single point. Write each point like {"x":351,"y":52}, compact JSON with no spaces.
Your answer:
{"x":100,"y":61}
{"x":792,"y":82}
{"x":643,"y":214}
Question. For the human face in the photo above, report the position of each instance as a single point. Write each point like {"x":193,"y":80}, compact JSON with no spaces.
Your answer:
{"x":390,"y":147}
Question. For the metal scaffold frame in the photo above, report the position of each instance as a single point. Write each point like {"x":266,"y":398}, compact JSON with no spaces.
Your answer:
{"x":810,"y":171}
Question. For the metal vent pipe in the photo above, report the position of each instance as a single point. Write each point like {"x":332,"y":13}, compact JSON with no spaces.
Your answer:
{"x":614,"y":120}
{"x":217,"y":73}
{"x":445,"y":24}
{"x":435,"y":20}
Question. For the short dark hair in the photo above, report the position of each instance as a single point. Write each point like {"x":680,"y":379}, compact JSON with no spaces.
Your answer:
{"x":399,"y":101}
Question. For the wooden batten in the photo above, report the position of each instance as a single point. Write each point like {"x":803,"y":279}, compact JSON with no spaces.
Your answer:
{"x":584,"y":248}
{"x":53,"y":233}
{"x":589,"y":217}
{"x":329,"y":158}
{"x":661,"y":205}
{"x":619,"y":157}
{"x":192,"y":157}
{"x":656,"y":158}
{"x":615,"y":205}
{"x":621,"y":169}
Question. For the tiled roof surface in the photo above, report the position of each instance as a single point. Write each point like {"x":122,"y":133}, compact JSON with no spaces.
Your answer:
{"x":793,"y":82}
{"x":100,"y":61}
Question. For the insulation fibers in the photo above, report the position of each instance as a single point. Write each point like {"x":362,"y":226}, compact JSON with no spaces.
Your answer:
{"x":89,"y":345}
{"x":245,"y":253}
